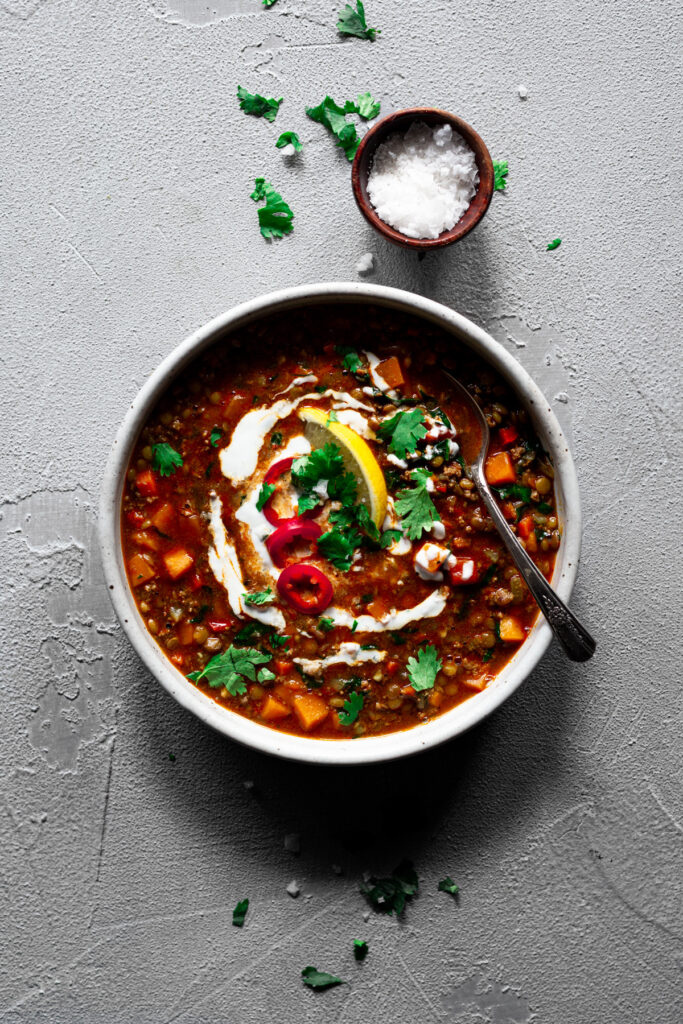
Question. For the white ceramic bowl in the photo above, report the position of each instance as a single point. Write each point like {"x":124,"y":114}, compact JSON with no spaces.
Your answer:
{"x":364,"y":749}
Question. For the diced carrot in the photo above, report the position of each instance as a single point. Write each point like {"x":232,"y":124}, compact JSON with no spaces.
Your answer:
{"x":146,"y":540}
{"x":391,"y":667}
{"x":511,"y":630}
{"x":474,"y":684}
{"x":272,"y":709}
{"x":390,"y":371}
{"x":378,"y":607}
{"x":134,"y":517}
{"x":499,"y":469}
{"x":147,"y":484}
{"x":525,"y":527}
{"x":282,"y":666}
{"x":163,"y":518}
{"x":177,"y":562}
{"x":435,"y":699}
{"x":177,"y":658}
{"x":407,"y":691}
{"x":140,"y":569}
{"x":310,"y":710}
{"x":531,"y":543}
{"x":185,"y":633}
{"x":507,"y":435}
{"x":509,"y":511}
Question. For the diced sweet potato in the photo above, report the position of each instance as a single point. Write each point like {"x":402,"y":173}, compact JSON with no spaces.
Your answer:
{"x":500,"y":470}
{"x":177,"y":562}
{"x":185,"y":633}
{"x":310,"y":710}
{"x":525,"y":527}
{"x":390,"y":371}
{"x":378,"y":607}
{"x":141,"y":569}
{"x":272,"y":709}
{"x":163,"y":518}
{"x":147,"y":484}
{"x":146,"y":540}
{"x":511,"y":631}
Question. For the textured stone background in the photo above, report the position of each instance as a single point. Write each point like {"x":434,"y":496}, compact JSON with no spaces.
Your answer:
{"x":126,"y":172}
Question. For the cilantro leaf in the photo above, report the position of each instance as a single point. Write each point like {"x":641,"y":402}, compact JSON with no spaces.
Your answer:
{"x":423,"y":670}
{"x":276,"y":439}
{"x":268,"y":3}
{"x":389,"y":537}
{"x":322,"y":464}
{"x":517,"y":492}
{"x":333,"y":117}
{"x":339,"y":547}
{"x":199,"y":617}
{"x":325,"y":623}
{"x":332,"y":417}
{"x":239,"y":913}
{"x":352,"y":708}
{"x":259,"y":597}
{"x":389,"y":895}
{"x":351,"y":359}
{"x":403,"y":431}
{"x":554,"y":244}
{"x":500,"y":173}
{"x":165,"y":460}
{"x":259,"y":106}
{"x":216,"y":435}
{"x":448,"y":885}
{"x":265,"y":675}
{"x":264,"y":494}
{"x":360,"y":949}
{"x":353,"y":23}
{"x":275,"y":218}
{"x":231,"y":668}
{"x":319,"y":979}
{"x":290,"y":139}
{"x":415,"y":507}
{"x":365,"y":106}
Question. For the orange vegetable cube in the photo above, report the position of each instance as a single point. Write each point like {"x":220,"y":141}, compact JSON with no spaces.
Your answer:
{"x":525,"y":527}
{"x":147,"y":484}
{"x":310,"y":710}
{"x":140,"y":569}
{"x":511,"y":631}
{"x":177,"y":562}
{"x":272,"y":709}
{"x":146,"y":540}
{"x":500,"y":470}
{"x":378,"y":607}
{"x":390,"y":371}
{"x":163,"y":518}
{"x":185,"y":633}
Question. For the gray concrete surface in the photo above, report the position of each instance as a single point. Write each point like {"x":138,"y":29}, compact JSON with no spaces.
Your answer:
{"x":126,"y":173}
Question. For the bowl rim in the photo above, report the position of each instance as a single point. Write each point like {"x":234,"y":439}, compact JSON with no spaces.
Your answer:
{"x":362,"y":750}
{"x":480,"y":201}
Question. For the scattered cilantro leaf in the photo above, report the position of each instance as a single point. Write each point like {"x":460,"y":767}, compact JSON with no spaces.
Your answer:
{"x":332,"y":417}
{"x":260,"y":597}
{"x":231,"y":668}
{"x":322,"y":464}
{"x":448,"y":885}
{"x":265,"y":675}
{"x":366,"y":106}
{"x":423,"y":670}
{"x":544,"y":506}
{"x":325,"y":624}
{"x":352,"y":708}
{"x":333,"y":117}
{"x":338,"y":547}
{"x":264,"y":494}
{"x":216,"y":435}
{"x":319,"y":979}
{"x":500,"y":173}
{"x":276,"y":439}
{"x":275,"y":218}
{"x":354,"y":625}
{"x":171,"y":757}
{"x":487,"y":655}
{"x":165,"y":460}
{"x":259,"y":106}
{"x":389,"y":895}
{"x":389,"y":537}
{"x":352,"y":22}
{"x":239,"y":913}
{"x":360,"y":949}
{"x":290,"y":139}
{"x":554,"y":244}
{"x":200,"y":614}
{"x":403,"y":431}
{"x":517,"y":492}
{"x":350,"y":358}
{"x":268,"y":3}
{"x":415,"y":507}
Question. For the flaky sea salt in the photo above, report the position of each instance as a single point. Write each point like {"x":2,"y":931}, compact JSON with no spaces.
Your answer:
{"x":365,"y":264}
{"x":421,"y":182}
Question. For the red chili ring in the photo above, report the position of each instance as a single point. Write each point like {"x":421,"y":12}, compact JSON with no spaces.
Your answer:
{"x":287,"y":532}
{"x":273,"y":474}
{"x":305,"y":587}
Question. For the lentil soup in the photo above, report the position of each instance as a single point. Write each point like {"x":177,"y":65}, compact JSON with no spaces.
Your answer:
{"x":301,"y":533}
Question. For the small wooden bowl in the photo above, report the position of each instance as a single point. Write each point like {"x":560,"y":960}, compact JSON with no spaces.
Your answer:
{"x":400,"y":122}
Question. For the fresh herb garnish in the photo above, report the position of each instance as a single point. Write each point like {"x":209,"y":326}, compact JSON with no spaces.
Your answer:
{"x":518,"y":492}
{"x":352,"y":22}
{"x":275,"y":218}
{"x":397,"y":637}
{"x":320,"y":388}
{"x":360,"y":949}
{"x":260,"y":597}
{"x":319,"y":979}
{"x":448,"y":885}
{"x":403,"y":431}
{"x":415,"y":507}
{"x":268,"y":3}
{"x":338,"y":547}
{"x":365,"y":106}
{"x":327,"y":464}
{"x":489,"y":574}
{"x":554,"y":244}
{"x":216,"y":435}
{"x":239,"y":913}
{"x":259,"y":106}
{"x":389,"y":895}
{"x":200,"y":614}
{"x":325,"y":623}
{"x":165,"y":460}
{"x":264,"y":494}
{"x":544,"y":506}
{"x":350,"y":358}
{"x":354,"y":625}
{"x":290,"y":139}
{"x":333,"y":117}
{"x":500,"y":173}
{"x":487,"y":655}
{"x":352,"y":708}
{"x":389,"y":537}
{"x":423,"y":670}
{"x":276,"y":439}
{"x":231,"y":668}
{"x":331,"y":417}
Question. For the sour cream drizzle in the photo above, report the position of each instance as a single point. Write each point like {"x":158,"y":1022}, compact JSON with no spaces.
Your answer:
{"x":432,"y":606}
{"x":349,"y":654}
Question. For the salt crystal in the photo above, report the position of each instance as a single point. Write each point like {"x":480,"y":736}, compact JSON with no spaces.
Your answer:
{"x":366,"y":915}
{"x":422,"y":182}
{"x":522,"y":92}
{"x":288,"y":150}
{"x":293,"y":842}
{"x":365,"y":264}
{"x":294,"y":888}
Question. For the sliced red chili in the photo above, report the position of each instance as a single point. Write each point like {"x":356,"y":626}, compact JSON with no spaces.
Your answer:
{"x":463,"y":571}
{"x":273,"y":474}
{"x":218,"y":625}
{"x":305,"y":587}
{"x":290,"y":531}
{"x":508,"y":435}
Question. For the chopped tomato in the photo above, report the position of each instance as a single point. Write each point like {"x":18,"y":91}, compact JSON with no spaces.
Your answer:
{"x":499,"y":469}
{"x":147,"y":484}
{"x":195,"y":582}
{"x":134,"y":517}
{"x":463,"y":571}
{"x":507,"y":435}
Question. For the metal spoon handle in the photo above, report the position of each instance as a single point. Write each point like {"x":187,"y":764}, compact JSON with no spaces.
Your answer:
{"x":577,"y":642}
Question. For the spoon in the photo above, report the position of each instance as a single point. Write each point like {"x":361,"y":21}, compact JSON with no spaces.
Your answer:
{"x":576,"y":641}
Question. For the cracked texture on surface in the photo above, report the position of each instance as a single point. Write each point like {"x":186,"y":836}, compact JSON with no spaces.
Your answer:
{"x":127,"y":223}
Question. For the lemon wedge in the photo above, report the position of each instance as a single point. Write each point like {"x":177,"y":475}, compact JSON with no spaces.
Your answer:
{"x":357,"y":455}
